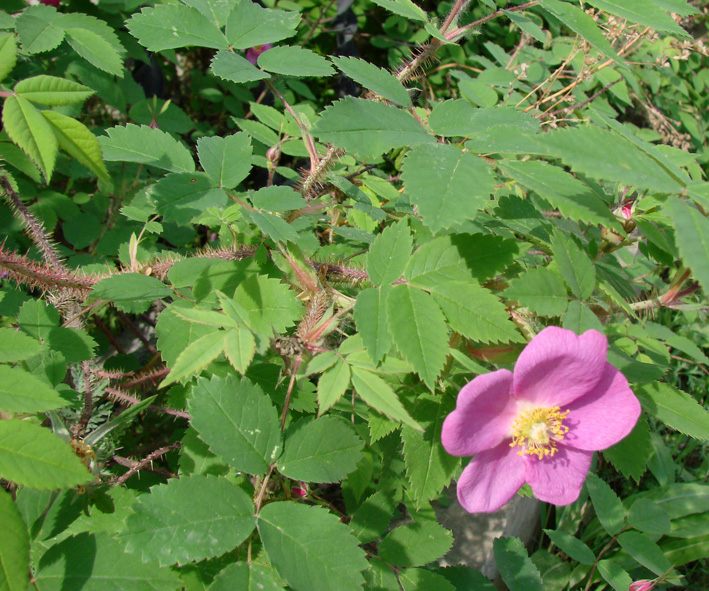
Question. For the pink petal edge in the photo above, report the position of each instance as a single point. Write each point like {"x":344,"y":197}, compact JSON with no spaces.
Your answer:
{"x":558,"y":480}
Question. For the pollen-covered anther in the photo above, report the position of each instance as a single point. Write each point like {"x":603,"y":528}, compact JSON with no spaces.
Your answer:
{"x":536,"y":431}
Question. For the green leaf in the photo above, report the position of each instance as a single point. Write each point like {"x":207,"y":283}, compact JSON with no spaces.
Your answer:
{"x":35,"y":457}
{"x":527,"y":25}
{"x":475,"y":312}
{"x":182,"y":196}
{"x":276,"y":228}
{"x":190,"y":518}
{"x":246,"y":577}
{"x":31,"y":132}
{"x":449,"y":186}
{"x":14,"y":546}
{"x":144,"y":145}
{"x":573,"y":198}
{"x":614,"y":575}
{"x":376,"y":79}
{"x":459,"y":118}
{"x":196,"y":357}
{"x":168,"y":26}
{"x":373,"y":516}
{"x":371,"y":317}
{"x":486,"y":255}
{"x":215,"y":10}
{"x":8,"y":54}
{"x":680,"y":552}
{"x":692,"y":237}
{"x":415,"y":544}
{"x":379,"y":395}
{"x":641,"y":12}
{"x":238,"y":421}
{"x":325,"y":449}
{"x":130,"y":288}
{"x":38,"y":29}
{"x":645,"y":551}
{"x":389,"y":254}
{"x":609,"y":508}
{"x":434,"y":262}
{"x":428,"y":467}
{"x":226,"y":160}
{"x":96,"y":49}
{"x":675,"y":408}
{"x":649,"y":517}
{"x":332,"y":384}
{"x":294,"y":61}
{"x":77,"y":141}
{"x":582,"y":24}
{"x":630,"y":455}
{"x":574,"y":265}
{"x":175,"y":335}
{"x":22,"y":392}
{"x":418,"y":328}
{"x":235,"y":68}
{"x":572,"y":546}
{"x":96,"y":562}
{"x":196,"y":458}
{"x":541,"y":290}
{"x":368,"y":128}
{"x":17,"y":346}
{"x":239,"y":348}
{"x":299,"y":541}
{"x":580,"y":318}
{"x":250,"y":25}
{"x":405,"y":8}
{"x":516,"y":568}
{"x":277,"y":199}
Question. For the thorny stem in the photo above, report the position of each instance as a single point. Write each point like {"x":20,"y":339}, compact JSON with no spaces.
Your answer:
{"x":457,"y":33}
{"x":293,"y":370}
{"x":125,"y":397}
{"x":135,"y":468}
{"x":88,"y":401}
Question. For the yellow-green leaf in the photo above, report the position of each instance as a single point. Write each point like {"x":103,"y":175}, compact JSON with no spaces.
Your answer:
{"x":49,"y":90}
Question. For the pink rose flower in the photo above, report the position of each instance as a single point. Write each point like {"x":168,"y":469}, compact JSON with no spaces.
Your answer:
{"x":540,"y":424}
{"x":252,"y":53}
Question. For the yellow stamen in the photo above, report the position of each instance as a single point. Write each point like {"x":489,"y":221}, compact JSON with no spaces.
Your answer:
{"x":536,"y":431}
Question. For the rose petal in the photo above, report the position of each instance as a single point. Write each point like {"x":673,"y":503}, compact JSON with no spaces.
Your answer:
{"x":491,"y":479}
{"x":558,"y":366}
{"x":482,"y":417}
{"x":558,"y":480}
{"x":603,"y":417}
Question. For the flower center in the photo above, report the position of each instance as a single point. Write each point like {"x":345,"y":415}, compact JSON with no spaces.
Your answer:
{"x":536,"y":431}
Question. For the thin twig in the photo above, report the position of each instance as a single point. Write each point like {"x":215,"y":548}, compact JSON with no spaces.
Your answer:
{"x":137,"y":466}
{"x":132,"y":400}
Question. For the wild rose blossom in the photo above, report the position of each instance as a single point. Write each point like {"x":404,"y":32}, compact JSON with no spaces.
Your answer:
{"x":540,"y":424}
{"x":252,"y":53}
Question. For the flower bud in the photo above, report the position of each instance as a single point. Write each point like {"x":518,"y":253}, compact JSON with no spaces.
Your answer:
{"x":643,"y":585}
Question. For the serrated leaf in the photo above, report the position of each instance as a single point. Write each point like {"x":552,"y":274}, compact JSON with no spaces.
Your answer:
{"x":415,"y":544}
{"x":449,"y":186}
{"x":631,"y":455}
{"x":215,"y":10}
{"x":371,"y":317}
{"x":675,"y":408}
{"x":614,"y":575}
{"x":325,"y":449}
{"x":31,"y":132}
{"x":372,"y":517}
{"x":235,"y":68}
{"x":332,"y":384}
{"x":516,"y":568}
{"x":174,"y":524}
{"x":77,"y":141}
{"x":238,"y":421}
{"x":276,"y":228}
{"x":144,"y":145}
{"x":475,"y":312}
{"x":692,"y":237}
{"x":299,"y":541}
{"x":95,"y":49}
{"x":389,"y":254}
{"x":572,"y":546}
{"x":419,"y":330}
{"x":246,"y":577}
{"x":239,"y":348}
{"x":580,"y":318}
{"x":96,"y":562}
{"x":196,"y":357}
{"x":527,"y":25}
{"x":8,"y":54}
{"x":22,"y":392}
{"x":541,"y":290}
{"x":168,"y":26}
{"x":368,"y":128}
{"x":609,"y":508}
{"x":196,"y":457}
{"x":128,"y":288}
{"x":294,"y":61}
{"x":486,"y":255}
{"x":17,"y":346}
{"x":649,"y":517}
{"x":182,"y":196}
{"x":379,"y":395}
{"x":573,"y":198}
{"x":645,"y":551}
{"x":574,"y":265}
{"x":277,"y":199}
{"x":250,"y":25}
{"x":376,"y":79}
{"x":405,"y":8}
{"x":14,"y":546}
{"x":226,"y":160}
{"x":459,"y":118}
{"x":176,"y":334}
{"x":35,"y":457}
{"x":641,"y":12}
{"x":38,"y":30}
{"x":436,"y":261}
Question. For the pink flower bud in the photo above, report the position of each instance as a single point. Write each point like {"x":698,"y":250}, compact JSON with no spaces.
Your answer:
{"x":54,"y":3}
{"x":644,"y":585}
{"x":626,"y":209}
{"x":299,"y":491}
{"x":252,"y":53}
